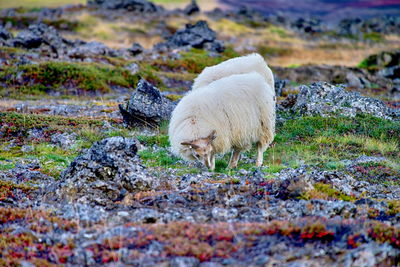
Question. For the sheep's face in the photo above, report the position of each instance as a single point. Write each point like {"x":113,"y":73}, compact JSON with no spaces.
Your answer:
{"x":202,"y":149}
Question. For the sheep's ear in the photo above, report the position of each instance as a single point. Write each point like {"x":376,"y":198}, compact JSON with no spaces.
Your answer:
{"x":212,"y":136}
{"x":190,"y":145}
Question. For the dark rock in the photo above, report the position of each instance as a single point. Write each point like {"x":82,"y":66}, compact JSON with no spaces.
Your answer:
{"x":129,"y":5}
{"x":101,"y":172}
{"x":326,"y":100}
{"x":41,"y":34}
{"x":198,"y":35}
{"x":135,"y":49}
{"x":384,"y":59}
{"x":90,"y":49}
{"x":391,"y":72}
{"x":192,"y":8}
{"x":307,"y":25}
{"x":147,"y":107}
{"x":279,"y":85}
{"x":4,"y":34}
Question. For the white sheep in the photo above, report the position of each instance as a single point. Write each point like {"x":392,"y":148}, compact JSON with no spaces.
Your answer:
{"x":229,"y":114}
{"x":238,"y":65}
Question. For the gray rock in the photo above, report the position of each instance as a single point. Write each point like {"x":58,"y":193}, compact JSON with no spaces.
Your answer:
{"x":90,"y":49}
{"x":104,"y":172}
{"x":325,"y":99}
{"x":390,"y":72}
{"x":41,"y":34}
{"x":64,"y":140}
{"x":146,"y":107}
{"x":184,"y":262}
{"x":133,"y":68}
{"x":129,"y":5}
{"x":198,"y":35}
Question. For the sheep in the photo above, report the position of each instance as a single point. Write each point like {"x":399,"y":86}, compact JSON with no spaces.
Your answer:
{"x":238,"y":65}
{"x":229,"y":114}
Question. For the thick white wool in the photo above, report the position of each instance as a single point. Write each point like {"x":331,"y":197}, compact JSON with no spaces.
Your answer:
{"x":240,"y":108}
{"x":238,"y":65}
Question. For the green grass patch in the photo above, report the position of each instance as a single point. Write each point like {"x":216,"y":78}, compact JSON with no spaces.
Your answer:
{"x":324,"y":142}
{"x":327,"y":192}
{"x":63,"y":77}
{"x":374,"y":37}
{"x":193,"y":61}
{"x":39,"y":3}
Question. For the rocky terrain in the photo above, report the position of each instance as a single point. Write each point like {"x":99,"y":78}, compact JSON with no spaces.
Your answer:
{"x":87,"y":177}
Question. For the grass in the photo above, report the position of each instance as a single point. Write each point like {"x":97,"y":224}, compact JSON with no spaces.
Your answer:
{"x":67,"y":78}
{"x":318,"y":141}
{"x":39,"y":3}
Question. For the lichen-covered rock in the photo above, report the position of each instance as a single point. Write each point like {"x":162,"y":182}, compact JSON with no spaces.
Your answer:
{"x":146,"y":107}
{"x":104,"y":172}
{"x":198,"y":35}
{"x":129,"y":5}
{"x":325,"y":99}
{"x":64,"y":140}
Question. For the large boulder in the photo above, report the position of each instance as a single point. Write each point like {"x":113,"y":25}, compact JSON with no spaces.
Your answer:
{"x":326,"y":99}
{"x":101,"y":174}
{"x":4,"y":35}
{"x":198,"y":35}
{"x":147,"y":107}
{"x":129,"y":5}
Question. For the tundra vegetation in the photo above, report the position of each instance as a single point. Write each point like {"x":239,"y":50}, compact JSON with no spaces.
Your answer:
{"x":74,"y":192}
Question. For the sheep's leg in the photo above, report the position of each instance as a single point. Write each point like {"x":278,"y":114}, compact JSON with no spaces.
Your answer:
{"x":212,"y":161}
{"x":261,"y":147}
{"x":234,"y":159}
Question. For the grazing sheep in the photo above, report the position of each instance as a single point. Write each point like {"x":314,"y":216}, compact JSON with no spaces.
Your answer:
{"x":229,"y":114}
{"x":238,"y":65}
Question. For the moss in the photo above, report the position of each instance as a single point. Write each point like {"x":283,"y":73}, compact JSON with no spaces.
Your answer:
{"x":193,"y":61}
{"x":66,"y":78}
{"x":7,"y":189}
{"x":159,"y":140}
{"x":327,"y":192}
{"x":374,"y":37}
{"x":15,"y":124}
{"x":273,"y":51}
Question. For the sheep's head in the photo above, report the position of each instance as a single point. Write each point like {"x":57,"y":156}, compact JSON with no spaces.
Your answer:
{"x":202,"y":149}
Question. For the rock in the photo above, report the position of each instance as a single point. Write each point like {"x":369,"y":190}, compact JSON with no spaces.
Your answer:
{"x":184,"y":262}
{"x":41,"y":34}
{"x":90,"y":49}
{"x":279,"y":85}
{"x":384,"y":59}
{"x":146,"y":107}
{"x":353,"y":80}
{"x":307,"y":25}
{"x":133,"y":68}
{"x":198,"y":35}
{"x":100,"y":174}
{"x":129,"y":5}
{"x":191,"y":8}
{"x":391,"y":72}
{"x":135,"y":49}
{"x":4,"y":34}
{"x":64,"y":140}
{"x":326,"y":100}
